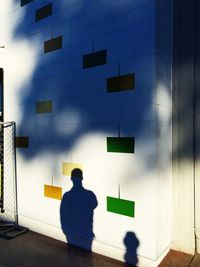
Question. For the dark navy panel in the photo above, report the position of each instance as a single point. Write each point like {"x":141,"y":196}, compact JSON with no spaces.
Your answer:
{"x":43,"y":12}
{"x":22,"y":141}
{"x":121,"y":83}
{"x":95,"y":59}
{"x":24,"y":2}
{"x":53,"y":44}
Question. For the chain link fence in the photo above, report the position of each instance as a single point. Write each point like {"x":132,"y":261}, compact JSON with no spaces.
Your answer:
{"x":8,"y":189}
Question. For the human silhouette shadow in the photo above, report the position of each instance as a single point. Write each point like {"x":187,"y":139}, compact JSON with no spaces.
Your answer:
{"x":76,"y":213}
{"x":131,"y":242}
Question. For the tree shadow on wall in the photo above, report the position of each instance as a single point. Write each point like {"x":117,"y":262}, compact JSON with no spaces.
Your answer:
{"x":76,"y":213}
{"x":131,"y":242}
{"x":81,"y":104}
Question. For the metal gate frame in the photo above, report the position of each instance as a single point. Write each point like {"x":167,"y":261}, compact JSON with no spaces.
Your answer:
{"x":9,"y":226}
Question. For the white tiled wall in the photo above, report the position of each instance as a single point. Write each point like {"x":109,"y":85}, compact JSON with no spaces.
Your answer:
{"x":84,"y":114}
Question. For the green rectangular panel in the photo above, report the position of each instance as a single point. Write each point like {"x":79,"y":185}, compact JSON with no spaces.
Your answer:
{"x":120,"y":144}
{"x":121,"y":83}
{"x":22,"y":141}
{"x":121,"y":206}
{"x":95,"y":59}
{"x":53,"y":44}
{"x":43,"y":12}
{"x":44,"y":107}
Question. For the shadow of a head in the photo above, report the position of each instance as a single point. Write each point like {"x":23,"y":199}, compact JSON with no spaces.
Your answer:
{"x":131,"y":242}
{"x":77,"y":177}
{"x":77,"y":173}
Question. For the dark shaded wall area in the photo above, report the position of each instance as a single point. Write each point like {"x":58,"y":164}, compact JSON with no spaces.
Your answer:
{"x":186,"y":116}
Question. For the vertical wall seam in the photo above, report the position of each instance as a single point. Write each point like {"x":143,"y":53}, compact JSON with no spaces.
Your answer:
{"x":194,"y":123}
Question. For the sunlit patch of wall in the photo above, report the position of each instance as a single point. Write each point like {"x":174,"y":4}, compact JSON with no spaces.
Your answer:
{"x":128,"y":171}
{"x":18,"y":59}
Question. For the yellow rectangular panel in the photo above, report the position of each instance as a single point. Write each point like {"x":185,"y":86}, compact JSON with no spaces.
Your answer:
{"x":67,"y":168}
{"x":53,"y":191}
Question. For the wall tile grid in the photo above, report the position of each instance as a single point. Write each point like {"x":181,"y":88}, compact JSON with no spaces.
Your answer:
{"x":163,"y":55}
{"x":131,"y":28}
{"x":96,"y":66}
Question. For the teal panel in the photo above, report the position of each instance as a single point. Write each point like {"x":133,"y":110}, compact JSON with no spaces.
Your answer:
{"x":121,"y":206}
{"x":44,"y":107}
{"x":120,"y":144}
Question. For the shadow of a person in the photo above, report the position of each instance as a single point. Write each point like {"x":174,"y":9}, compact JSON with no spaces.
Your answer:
{"x":131,"y":242}
{"x":76,"y":213}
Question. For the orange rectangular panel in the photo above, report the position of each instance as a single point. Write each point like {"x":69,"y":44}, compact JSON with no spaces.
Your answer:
{"x":53,"y":191}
